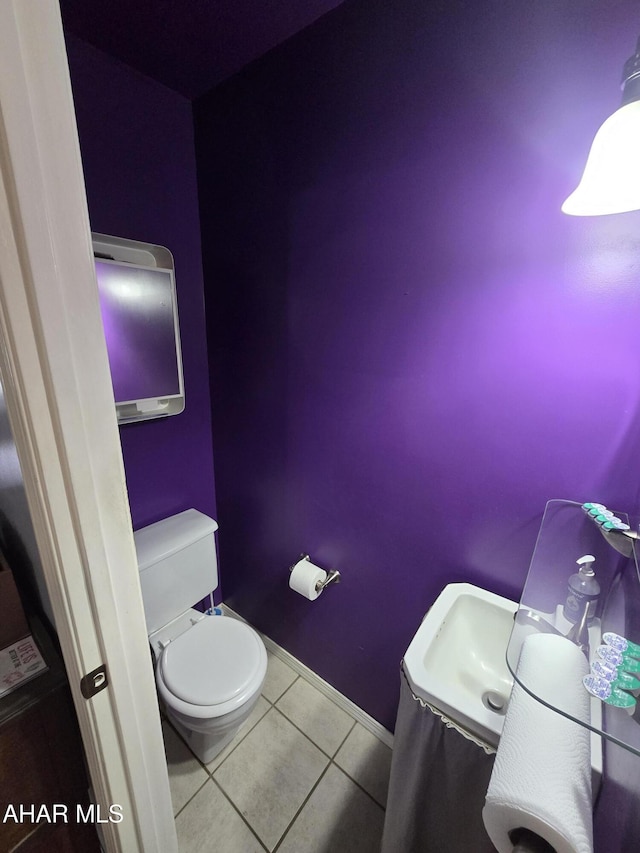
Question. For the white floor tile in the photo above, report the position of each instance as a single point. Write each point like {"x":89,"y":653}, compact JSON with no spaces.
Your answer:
{"x":269,"y":775}
{"x":185,"y":771}
{"x":279,"y":677}
{"x":318,"y":717}
{"x":337,"y":817}
{"x":211,"y":823}
{"x":367,"y":760}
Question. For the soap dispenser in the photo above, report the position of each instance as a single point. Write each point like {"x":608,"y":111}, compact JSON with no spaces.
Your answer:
{"x":583,"y":591}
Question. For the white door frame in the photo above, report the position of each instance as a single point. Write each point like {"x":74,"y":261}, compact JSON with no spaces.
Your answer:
{"x":55,"y":373}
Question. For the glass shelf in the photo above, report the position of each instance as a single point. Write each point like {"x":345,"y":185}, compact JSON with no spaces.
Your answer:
{"x":567,"y":533}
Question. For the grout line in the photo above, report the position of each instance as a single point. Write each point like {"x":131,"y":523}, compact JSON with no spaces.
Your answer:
{"x":282,"y":695}
{"x":308,"y":736}
{"x":324,"y":752}
{"x":295,"y":726}
{"x":237,"y":740}
{"x":358,"y":785}
{"x":339,"y":699}
{"x":286,"y":689}
{"x":195,"y":793}
{"x":344,"y":739}
{"x":238,"y":812}
{"x":302,"y":805}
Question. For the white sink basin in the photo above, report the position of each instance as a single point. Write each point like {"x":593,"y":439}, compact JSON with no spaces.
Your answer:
{"x":456,"y":661}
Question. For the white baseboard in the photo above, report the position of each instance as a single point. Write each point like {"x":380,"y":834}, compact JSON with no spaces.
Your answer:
{"x":323,"y":686}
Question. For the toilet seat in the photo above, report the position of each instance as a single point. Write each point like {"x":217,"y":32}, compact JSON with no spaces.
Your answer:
{"x":215,"y":665}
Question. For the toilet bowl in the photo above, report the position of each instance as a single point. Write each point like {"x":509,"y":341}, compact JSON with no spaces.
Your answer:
{"x":209,"y":676}
{"x":209,"y":669}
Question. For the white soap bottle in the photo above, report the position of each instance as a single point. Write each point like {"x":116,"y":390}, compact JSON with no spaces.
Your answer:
{"x":583,"y":588}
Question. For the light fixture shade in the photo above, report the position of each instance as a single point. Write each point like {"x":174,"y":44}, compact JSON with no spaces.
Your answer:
{"x":611,"y":179}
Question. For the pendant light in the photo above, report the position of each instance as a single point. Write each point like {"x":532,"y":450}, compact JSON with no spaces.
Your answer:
{"x":611,"y":179}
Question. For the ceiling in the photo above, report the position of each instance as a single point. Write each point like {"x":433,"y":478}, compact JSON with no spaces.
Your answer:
{"x":189,"y":45}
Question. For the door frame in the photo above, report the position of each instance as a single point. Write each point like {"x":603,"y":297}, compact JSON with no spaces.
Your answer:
{"x":55,"y":374}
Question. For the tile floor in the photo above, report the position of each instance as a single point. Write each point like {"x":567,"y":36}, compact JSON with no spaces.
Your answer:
{"x":302,"y":776}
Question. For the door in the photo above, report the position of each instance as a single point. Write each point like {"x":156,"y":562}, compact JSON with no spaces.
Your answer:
{"x":54,"y":369}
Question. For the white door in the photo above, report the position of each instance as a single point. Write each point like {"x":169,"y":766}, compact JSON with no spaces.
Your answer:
{"x":54,"y":369}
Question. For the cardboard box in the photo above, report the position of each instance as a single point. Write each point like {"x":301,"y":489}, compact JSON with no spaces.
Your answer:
{"x":19,"y":663}
{"x":13,"y":622}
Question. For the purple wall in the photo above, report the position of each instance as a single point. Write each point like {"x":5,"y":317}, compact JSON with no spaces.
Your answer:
{"x":411,"y":348}
{"x":136,"y":138}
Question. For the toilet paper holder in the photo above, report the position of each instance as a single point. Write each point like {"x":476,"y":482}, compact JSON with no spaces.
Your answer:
{"x":333,"y":576}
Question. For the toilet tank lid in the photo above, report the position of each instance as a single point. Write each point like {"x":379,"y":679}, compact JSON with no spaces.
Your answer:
{"x":163,"y":538}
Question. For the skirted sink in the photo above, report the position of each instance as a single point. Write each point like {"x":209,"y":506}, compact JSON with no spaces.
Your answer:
{"x":457,"y":659}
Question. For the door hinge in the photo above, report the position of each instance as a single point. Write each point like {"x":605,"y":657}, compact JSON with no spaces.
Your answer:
{"x":94,"y":682}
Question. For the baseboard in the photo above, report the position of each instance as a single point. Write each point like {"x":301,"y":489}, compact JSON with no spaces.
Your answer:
{"x":320,"y":684}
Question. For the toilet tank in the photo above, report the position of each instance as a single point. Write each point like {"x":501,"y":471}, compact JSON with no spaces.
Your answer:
{"x":177,"y":564}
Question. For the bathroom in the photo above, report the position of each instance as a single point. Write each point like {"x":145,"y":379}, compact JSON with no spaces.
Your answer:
{"x":396,"y":348}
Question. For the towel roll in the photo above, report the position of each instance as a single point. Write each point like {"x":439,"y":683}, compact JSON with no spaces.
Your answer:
{"x":541,"y":778}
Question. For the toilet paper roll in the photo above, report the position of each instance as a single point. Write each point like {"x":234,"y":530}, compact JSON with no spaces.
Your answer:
{"x":541,"y":778}
{"x":304,"y":577}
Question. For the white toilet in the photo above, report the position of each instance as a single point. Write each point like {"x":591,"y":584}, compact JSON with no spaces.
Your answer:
{"x":209,"y":669}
